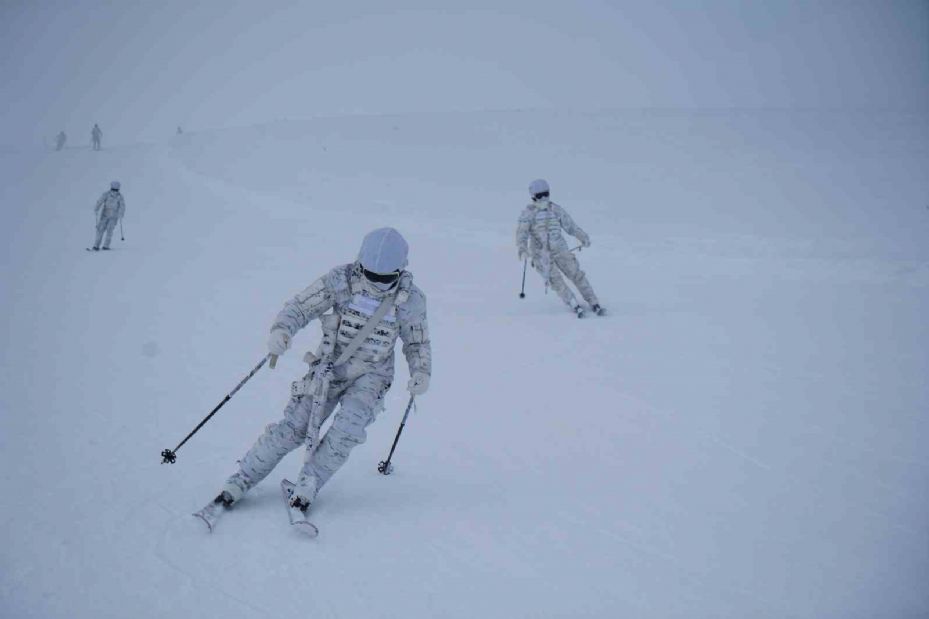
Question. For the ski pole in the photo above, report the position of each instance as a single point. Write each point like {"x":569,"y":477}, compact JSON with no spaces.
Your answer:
{"x":169,"y":456}
{"x":385,"y":467}
{"x":522,"y":291}
{"x":121,"y":235}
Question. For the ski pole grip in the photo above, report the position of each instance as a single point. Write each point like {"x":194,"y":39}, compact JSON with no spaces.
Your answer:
{"x":273,"y":362}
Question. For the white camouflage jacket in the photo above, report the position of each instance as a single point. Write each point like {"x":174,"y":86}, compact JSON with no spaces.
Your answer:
{"x":112,"y":205}
{"x":346,"y":291}
{"x":540,"y":225}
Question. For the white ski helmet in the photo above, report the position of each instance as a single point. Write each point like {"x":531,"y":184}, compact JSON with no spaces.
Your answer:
{"x":537,"y":187}
{"x":383,"y":251}
{"x":114,"y":185}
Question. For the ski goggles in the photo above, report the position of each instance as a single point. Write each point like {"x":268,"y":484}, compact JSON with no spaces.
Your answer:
{"x":380,"y":278}
{"x":539,"y":196}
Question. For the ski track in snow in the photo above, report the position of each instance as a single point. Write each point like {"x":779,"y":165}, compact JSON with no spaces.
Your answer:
{"x":737,"y":452}
{"x":198,"y":580}
{"x":187,"y":528}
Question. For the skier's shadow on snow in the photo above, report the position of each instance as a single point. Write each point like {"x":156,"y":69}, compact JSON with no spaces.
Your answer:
{"x":644,"y":308}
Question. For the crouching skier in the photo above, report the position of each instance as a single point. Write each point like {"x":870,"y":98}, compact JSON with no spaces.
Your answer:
{"x":373,"y":301}
{"x":538,"y":237}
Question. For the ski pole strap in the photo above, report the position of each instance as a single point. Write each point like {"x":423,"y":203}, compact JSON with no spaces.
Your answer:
{"x":362,"y":335}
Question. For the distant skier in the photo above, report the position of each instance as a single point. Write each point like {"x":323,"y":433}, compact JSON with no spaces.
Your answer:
{"x":95,"y":136}
{"x":538,"y":238}
{"x":110,"y":210}
{"x":179,"y":130}
{"x":60,"y":140}
{"x":347,"y":370}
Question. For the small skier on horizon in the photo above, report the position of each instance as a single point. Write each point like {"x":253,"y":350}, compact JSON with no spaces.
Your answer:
{"x":374,"y":296}
{"x":60,"y":140}
{"x":110,"y":210}
{"x":539,"y":239}
{"x":95,"y":136}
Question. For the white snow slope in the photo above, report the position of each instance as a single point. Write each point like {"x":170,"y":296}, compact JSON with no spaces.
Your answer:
{"x":742,"y":436}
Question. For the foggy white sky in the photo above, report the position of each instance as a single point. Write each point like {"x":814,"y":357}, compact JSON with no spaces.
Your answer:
{"x":142,"y":68}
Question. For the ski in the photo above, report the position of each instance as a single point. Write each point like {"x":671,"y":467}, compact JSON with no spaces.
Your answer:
{"x":598,"y":310}
{"x":211,"y":512}
{"x":297,"y":517}
{"x":91,"y":249}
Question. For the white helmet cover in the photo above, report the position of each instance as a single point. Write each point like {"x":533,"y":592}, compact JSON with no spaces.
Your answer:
{"x":114,"y":185}
{"x":538,"y":186}
{"x":383,"y":251}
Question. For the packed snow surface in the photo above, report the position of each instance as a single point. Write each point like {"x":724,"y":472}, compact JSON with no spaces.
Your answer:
{"x":743,"y":435}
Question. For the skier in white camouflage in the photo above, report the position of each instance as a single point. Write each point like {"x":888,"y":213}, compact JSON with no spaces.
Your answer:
{"x":539,"y":239}
{"x":95,"y":136}
{"x":375,"y":288}
{"x":110,"y":210}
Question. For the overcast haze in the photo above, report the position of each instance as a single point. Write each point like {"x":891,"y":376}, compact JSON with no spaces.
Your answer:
{"x":142,"y":68}
{"x":742,"y":435}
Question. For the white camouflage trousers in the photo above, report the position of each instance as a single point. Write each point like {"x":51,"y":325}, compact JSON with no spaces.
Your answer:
{"x":361,"y":400}
{"x":564,"y":262}
{"x":106,"y":223}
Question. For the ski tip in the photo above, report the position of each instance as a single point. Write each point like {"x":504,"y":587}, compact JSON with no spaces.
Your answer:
{"x":307,"y":528}
{"x":201,"y":517}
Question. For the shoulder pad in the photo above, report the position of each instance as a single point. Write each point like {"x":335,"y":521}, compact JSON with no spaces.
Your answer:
{"x":405,"y":287}
{"x":338,"y":278}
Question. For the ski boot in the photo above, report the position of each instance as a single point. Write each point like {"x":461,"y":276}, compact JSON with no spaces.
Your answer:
{"x":211,"y":513}
{"x":297,"y":508}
